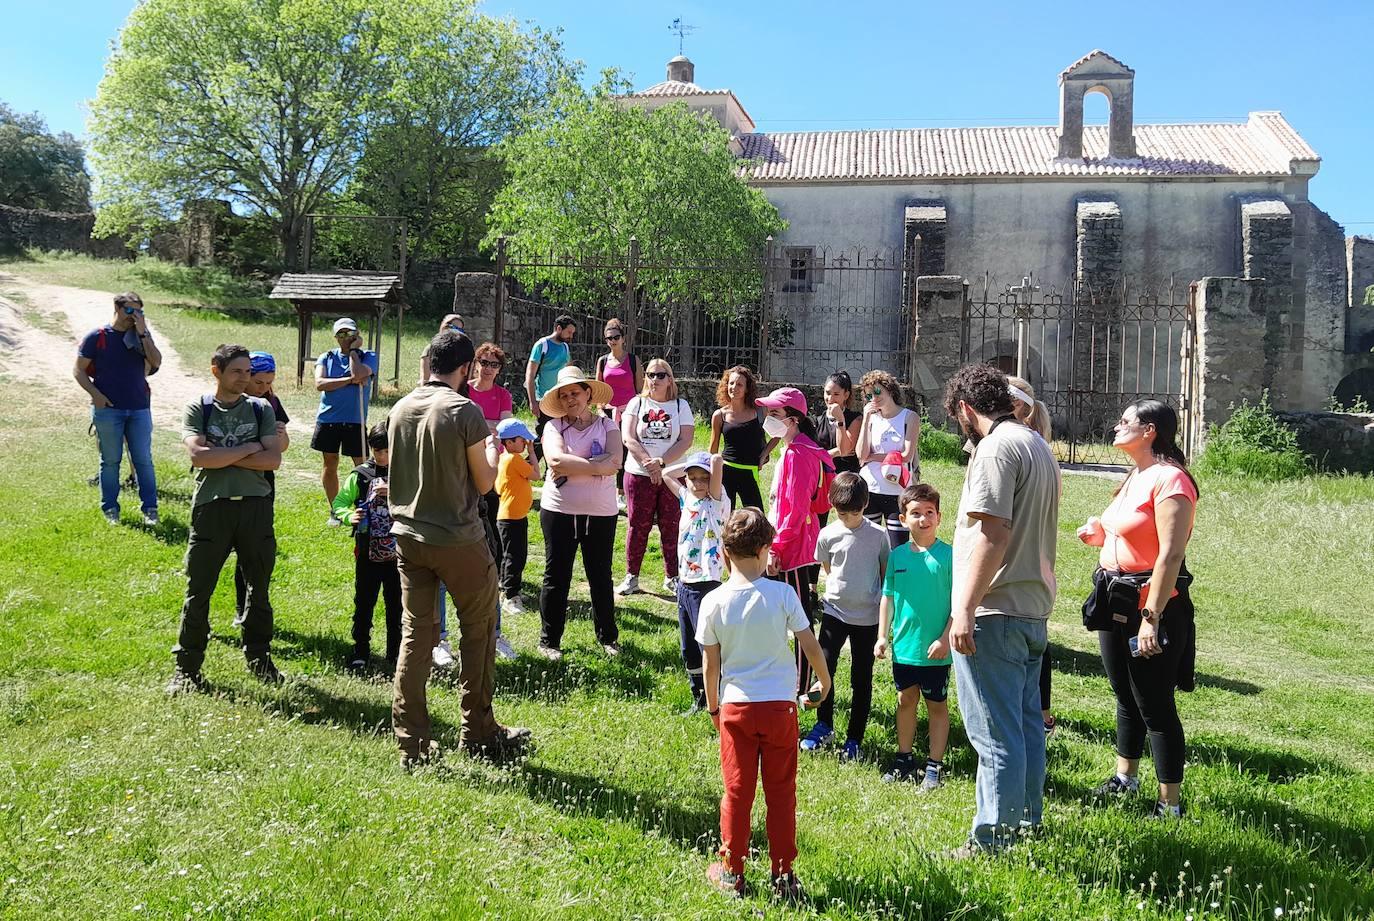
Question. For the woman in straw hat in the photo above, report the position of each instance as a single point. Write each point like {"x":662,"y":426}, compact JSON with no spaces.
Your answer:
{"x":578,"y":506}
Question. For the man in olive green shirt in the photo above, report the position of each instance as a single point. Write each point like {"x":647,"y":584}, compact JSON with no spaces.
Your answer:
{"x":233,"y":442}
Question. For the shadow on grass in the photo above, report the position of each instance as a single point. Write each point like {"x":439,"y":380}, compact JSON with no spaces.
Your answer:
{"x":168,"y":530}
{"x":1089,"y":663}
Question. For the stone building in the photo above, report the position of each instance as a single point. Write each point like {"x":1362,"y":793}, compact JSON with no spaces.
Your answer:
{"x":1093,"y":208}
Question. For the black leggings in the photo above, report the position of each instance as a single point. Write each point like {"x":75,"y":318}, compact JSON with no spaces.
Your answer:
{"x":1144,"y":691}
{"x":563,"y":534}
{"x":803,"y":582}
{"x":834,"y":632}
{"x":882,"y":511}
{"x":742,"y":486}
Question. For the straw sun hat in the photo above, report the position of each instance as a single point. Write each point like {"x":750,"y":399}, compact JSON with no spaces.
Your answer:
{"x":601,"y":391}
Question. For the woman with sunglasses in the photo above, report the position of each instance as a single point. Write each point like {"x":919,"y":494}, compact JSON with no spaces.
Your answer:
{"x":887,"y":428}
{"x":657,"y":427}
{"x":495,"y":403}
{"x":621,"y":371}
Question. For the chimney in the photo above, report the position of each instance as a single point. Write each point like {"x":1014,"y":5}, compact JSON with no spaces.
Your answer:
{"x":681,"y":70}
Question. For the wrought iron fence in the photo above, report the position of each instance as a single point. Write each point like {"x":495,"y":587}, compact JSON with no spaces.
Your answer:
{"x":793,"y":313}
{"x":1088,"y":353}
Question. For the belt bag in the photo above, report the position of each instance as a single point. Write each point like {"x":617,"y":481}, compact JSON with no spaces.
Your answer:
{"x":1115,"y":597}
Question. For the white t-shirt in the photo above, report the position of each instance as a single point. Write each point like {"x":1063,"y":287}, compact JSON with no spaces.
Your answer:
{"x":657,"y":425}
{"x":885,"y":436}
{"x":751,"y":624}
{"x":701,"y":537}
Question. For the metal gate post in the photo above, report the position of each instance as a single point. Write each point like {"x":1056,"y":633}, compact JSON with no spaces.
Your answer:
{"x":766,"y":308}
{"x":498,"y":307}
{"x":630,"y":297}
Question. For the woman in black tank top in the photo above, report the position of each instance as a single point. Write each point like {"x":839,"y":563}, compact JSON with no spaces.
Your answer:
{"x":839,"y":390}
{"x":737,"y":435}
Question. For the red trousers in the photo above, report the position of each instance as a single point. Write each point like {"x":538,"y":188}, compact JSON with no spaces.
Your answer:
{"x":753,"y":736}
{"x":645,"y":506}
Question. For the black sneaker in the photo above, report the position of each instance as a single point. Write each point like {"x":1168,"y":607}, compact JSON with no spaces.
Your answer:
{"x":357,"y":664}
{"x":1115,"y":786}
{"x":1163,"y":810}
{"x":265,"y":670}
{"x":787,"y":888}
{"x":903,"y":771}
{"x":184,"y":681}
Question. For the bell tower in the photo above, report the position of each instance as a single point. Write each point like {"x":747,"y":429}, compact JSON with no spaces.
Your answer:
{"x":1097,"y":72}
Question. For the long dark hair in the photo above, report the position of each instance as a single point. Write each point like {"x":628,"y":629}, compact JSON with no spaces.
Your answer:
{"x":1165,"y":447}
{"x":842,"y":380}
{"x":804,"y":423}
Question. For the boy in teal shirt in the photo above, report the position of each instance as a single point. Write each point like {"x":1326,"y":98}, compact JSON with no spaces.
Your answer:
{"x":915,"y":613}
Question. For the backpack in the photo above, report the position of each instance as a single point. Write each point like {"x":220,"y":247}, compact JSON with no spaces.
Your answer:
{"x":601,"y":365}
{"x":820,"y":501}
{"x":207,"y":407}
{"x":375,"y":526}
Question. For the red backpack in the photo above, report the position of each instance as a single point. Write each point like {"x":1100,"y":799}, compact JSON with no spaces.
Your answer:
{"x":820,"y":501}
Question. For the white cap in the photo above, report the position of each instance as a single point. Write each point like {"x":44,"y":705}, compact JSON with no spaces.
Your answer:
{"x":344,"y":323}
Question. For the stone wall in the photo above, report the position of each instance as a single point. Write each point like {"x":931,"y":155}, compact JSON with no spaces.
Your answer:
{"x":1359,"y":260}
{"x":1324,"y":309}
{"x":935,"y":353}
{"x":1336,"y":441}
{"x":1266,"y":238}
{"x":1098,"y":249}
{"x":22,"y":227}
{"x":1233,"y":362}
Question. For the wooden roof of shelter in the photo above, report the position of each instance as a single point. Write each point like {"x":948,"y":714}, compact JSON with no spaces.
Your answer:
{"x":319,"y":286}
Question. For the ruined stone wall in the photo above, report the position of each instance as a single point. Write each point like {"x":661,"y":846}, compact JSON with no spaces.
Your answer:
{"x":1335,"y":441}
{"x":1359,"y":256}
{"x":56,"y":230}
{"x":1324,"y":310}
{"x":1234,"y":359}
{"x":1266,"y":239}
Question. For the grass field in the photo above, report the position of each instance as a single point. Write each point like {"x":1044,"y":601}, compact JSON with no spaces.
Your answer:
{"x":287,"y":803}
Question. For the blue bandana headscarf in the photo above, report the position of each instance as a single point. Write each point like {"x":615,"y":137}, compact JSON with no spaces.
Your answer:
{"x":262,"y":362}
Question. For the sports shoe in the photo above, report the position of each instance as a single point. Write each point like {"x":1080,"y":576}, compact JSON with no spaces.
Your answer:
{"x":443,"y":655}
{"x":1163,"y":810}
{"x":818,"y":736}
{"x":150,"y":519}
{"x":1049,"y":725}
{"x":620,"y":506}
{"x":670,"y":585}
{"x":184,"y":681}
{"x":505,"y":741}
{"x":503,"y":648}
{"x":902,"y":770}
{"x":931,"y":780}
{"x":357,"y":664}
{"x":265,"y":670}
{"x":968,"y":851}
{"x":512,"y":606}
{"x":1116,"y":785}
{"x":850,"y":752}
{"x":111,"y":516}
{"x":611,"y":649}
{"x":553,"y":655}
{"x":730,"y":884}
{"x":787,"y":888}
{"x":628,"y":585}
{"x":333,"y":521}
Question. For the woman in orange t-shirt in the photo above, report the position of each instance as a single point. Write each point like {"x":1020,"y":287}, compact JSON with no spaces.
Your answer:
{"x":1146,"y":528}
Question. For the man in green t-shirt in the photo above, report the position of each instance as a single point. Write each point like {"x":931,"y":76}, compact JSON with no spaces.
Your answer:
{"x":233,"y":442}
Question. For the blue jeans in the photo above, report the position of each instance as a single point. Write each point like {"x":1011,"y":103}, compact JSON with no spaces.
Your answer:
{"x":113,"y":427}
{"x":999,"y":700}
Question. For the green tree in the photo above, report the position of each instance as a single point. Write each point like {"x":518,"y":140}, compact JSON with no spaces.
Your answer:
{"x":594,"y":171}
{"x":39,"y":169}
{"x":270,"y":103}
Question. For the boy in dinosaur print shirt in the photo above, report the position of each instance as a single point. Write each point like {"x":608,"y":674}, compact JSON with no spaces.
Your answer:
{"x":700,"y":552}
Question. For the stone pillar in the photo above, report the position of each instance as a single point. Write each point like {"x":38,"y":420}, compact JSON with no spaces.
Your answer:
{"x":1359,"y":267}
{"x":937,"y":349}
{"x":474,"y":297}
{"x":1097,"y":300}
{"x":1266,"y":235}
{"x":1097,"y":265}
{"x":926,"y":219}
{"x":1231,"y":363}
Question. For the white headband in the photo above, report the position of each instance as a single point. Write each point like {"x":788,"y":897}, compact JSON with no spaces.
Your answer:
{"x":1021,"y":395}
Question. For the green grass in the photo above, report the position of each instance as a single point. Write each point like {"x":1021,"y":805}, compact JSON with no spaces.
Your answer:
{"x":286,"y":803}
{"x":159,"y":283}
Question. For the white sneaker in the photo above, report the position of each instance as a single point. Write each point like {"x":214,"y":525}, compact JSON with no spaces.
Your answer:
{"x":150,"y":519}
{"x":620,"y":505}
{"x":503,"y":648}
{"x":628,"y":586}
{"x":512,"y":606}
{"x":333,"y":521}
{"x":670,"y":586}
{"x":443,"y":655}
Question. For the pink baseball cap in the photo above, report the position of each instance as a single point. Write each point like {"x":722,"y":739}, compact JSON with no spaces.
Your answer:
{"x":784,"y":398}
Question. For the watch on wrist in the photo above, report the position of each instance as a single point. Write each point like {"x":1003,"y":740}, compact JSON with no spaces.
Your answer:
{"x":1152,"y":616}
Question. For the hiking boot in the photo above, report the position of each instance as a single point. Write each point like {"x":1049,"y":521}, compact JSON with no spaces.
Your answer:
{"x":553,"y":655}
{"x":503,"y":649}
{"x":1116,"y":785}
{"x":185,"y":681}
{"x":265,"y":670}
{"x":903,"y":770}
{"x":357,"y":664}
{"x":111,"y":515}
{"x":787,"y":888}
{"x":730,"y":884}
{"x":505,"y":741}
{"x":628,"y":585}
{"x":818,"y":736}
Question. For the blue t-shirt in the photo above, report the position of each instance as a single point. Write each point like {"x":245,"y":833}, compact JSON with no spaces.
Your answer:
{"x":118,"y":371}
{"x":342,"y":405}
{"x":551,"y":356}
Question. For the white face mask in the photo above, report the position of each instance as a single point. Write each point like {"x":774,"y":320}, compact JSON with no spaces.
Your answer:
{"x":774,"y":426}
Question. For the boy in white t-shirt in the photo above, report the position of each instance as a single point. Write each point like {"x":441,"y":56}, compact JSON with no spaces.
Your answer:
{"x":700,"y":553}
{"x":751,"y":676}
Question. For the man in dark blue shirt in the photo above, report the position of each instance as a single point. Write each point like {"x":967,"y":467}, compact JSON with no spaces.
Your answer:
{"x":112,"y":365}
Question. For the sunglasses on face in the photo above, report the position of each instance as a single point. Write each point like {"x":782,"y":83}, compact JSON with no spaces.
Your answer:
{"x":657,"y":375}
{"x":488,"y":363}
{"x":614,"y":337}
{"x":873,"y":394}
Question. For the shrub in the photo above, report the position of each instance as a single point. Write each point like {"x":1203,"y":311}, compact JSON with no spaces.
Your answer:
{"x":1254,"y":443}
{"x":938,"y":444}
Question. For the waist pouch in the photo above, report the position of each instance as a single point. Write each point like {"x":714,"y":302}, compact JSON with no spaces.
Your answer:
{"x":1117,"y":597}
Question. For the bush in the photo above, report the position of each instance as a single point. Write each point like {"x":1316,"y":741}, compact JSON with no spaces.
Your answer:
{"x":938,"y":444}
{"x":1254,"y":443}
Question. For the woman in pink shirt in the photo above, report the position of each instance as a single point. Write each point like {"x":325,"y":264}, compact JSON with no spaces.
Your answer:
{"x":495,"y":403}
{"x":621,"y":370}
{"x":796,"y":479}
{"x":1148,"y":649}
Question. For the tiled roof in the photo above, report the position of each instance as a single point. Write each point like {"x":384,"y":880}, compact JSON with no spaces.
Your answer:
{"x":1264,"y":145}
{"x":677,"y":88}
{"x":319,"y":286}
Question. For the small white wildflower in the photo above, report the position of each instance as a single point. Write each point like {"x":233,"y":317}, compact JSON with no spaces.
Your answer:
{"x":1278,"y":911}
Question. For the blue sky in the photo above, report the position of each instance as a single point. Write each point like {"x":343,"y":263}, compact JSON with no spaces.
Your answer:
{"x":810,"y":65}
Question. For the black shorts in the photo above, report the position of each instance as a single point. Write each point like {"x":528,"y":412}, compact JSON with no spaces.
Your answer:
{"x":339,"y":438}
{"x":933,"y":679}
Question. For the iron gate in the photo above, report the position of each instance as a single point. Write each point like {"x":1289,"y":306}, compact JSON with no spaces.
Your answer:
{"x":1088,"y":353}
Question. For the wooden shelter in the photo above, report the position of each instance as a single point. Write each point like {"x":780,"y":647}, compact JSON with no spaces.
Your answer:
{"x":359,"y":295}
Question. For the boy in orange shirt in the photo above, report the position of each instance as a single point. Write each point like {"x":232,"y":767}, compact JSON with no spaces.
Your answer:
{"x":513,"y":477}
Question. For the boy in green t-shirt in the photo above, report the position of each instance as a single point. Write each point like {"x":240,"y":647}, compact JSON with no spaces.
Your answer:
{"x":915,"y":613}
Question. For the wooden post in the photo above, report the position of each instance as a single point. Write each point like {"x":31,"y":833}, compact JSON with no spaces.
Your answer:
{"x":630,"y":297}
{"x":403,"y":252}
{"x":766,"y":308}
{"x":301,"y":320}
{"x":396,"y":369}
{"x":498,"y":307}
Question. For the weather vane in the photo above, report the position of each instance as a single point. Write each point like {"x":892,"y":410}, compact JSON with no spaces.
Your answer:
{"x":680,"y":29}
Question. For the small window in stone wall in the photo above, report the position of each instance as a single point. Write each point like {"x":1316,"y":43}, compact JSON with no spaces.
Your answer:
{"x":802,"y":271}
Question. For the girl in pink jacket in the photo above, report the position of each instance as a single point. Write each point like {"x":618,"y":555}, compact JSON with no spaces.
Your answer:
{"x":797,"y":478}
